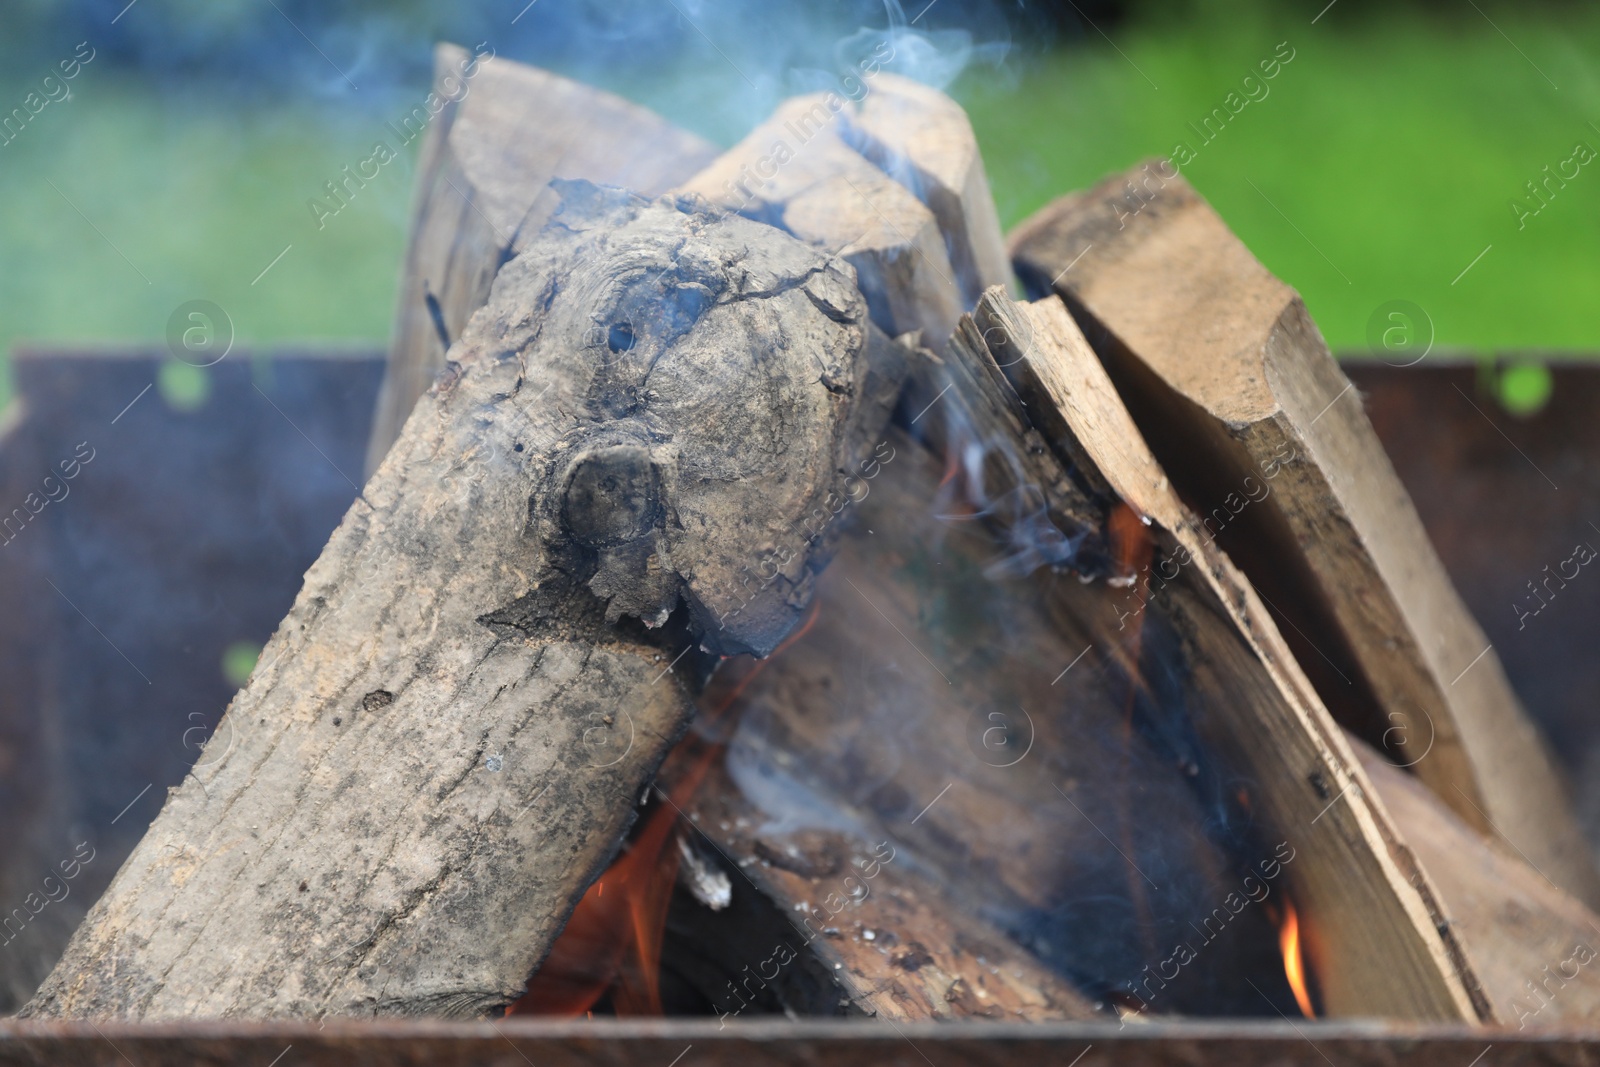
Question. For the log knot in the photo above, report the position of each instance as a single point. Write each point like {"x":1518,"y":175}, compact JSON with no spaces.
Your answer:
{"x":612,"y":494}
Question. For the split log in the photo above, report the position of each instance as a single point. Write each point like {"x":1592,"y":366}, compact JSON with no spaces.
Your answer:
{"x":441,"y":744}
{"x":1370,"y":920}
{"x":1534,"y":947}
{"x":923,"y":139}
{"x":1229,"y":377}
{"x":797,"y":171}
{"x":502,"y":132}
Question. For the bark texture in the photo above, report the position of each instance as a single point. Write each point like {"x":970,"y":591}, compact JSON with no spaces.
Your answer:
{"x":444,"y":741}
{"x":797,"y":170}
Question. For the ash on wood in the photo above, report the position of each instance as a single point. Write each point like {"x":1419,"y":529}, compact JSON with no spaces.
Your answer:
{"x":441,"y":745}
{"x":1225,"y":370}
{"x":502,"y":132}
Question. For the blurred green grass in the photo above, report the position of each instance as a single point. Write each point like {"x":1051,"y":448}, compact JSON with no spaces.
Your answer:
{"x":123,"y":205}
{"x":1383,"y":161}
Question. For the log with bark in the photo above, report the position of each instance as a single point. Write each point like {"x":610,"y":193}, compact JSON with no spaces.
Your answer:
{"x":1220,"y":363}
{"x":502,"y":132}
{"x":441,"y":745}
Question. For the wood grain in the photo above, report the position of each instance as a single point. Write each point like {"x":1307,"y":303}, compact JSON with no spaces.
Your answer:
{"x":1371,"y":921}
{"x":1228,"y":376}
{"x":1534,"y":947}
{"x":442,"y":744}
{"x":923,"y":139}
{"x":798,"y":171}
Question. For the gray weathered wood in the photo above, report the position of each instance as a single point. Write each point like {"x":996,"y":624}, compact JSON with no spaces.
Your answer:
{"x":503,"y":131}
{"x":444,"y":741}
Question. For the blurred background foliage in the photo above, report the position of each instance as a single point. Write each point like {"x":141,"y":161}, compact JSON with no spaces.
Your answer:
{"x":1383,"y":161}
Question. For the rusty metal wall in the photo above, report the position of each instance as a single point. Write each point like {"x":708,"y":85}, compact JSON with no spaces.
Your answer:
{"x":176,"y":514}
{"x":516,"y":1043}
{"x":1504,"y":497}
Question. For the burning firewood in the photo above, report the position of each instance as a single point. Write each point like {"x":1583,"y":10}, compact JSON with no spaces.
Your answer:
{"x":443,"y":743}
{"x":647,"y":443}
{"x":502,"y":132}
{"x":1372,"y":930}
{"x":884,"y":729}
{"x":1230,"y":379}
{"x":811,"y":784}
{"x":897,"y":947}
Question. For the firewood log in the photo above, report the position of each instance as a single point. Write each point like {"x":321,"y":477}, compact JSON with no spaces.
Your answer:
{"x":1370,"y":920}
{"x":1534,"y":947}
{"x":502,"y":132}
{"x":797,"y":171}
{"x":443,"y":743}
{"x":1225,"y":371}
{"x":923,"y":139}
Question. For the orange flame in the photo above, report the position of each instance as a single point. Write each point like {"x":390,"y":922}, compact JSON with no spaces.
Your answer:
{"x":612,"y":944}
{"x":1294,"y":964}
